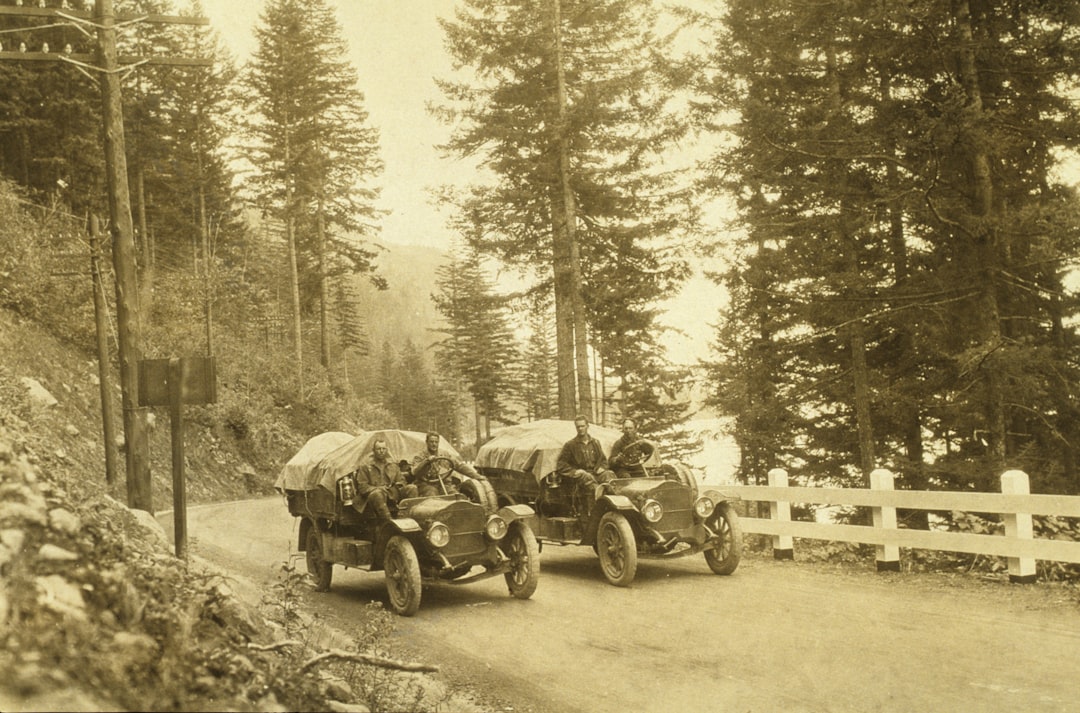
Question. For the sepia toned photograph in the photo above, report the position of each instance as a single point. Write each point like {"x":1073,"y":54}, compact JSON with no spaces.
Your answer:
{"x":540,"y":356}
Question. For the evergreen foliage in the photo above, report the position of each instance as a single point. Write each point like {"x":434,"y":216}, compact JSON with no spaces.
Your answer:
{"x":480,"y":346}
{"x":572,"y":119}
{"x":311,"y":137}
{"x":898,"y":295}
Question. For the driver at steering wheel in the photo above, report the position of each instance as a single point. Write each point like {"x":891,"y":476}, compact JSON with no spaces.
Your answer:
{"x":628,"y":452}
{"x":427,"y":481}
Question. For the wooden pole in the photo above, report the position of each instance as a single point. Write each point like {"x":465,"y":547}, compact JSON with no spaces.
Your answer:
{"x":103,"y":352}
{"x":176,"y":424}
{"x":127,"y":296}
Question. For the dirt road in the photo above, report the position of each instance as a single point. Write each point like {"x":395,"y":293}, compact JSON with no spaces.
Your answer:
{"x":775,"y":636}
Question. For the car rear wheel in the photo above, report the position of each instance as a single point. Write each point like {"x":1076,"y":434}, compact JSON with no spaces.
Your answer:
{"x":617,"y":548}
{"x":524,"y":553}
{"x":402,"y":576}
{"x":319,"y":569}
{"x":725,"y":556}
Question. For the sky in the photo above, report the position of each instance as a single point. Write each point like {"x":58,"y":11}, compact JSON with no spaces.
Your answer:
{"x":397,"y":49}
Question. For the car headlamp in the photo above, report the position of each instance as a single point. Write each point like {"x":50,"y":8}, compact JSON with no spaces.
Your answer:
{"x":438,"y":535}
{"x":496,"y":527}
{"x":703,"y":506}
{"x":652,"y":511}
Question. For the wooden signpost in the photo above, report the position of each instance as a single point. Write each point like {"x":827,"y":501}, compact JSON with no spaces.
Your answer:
{"x":173,"y":383}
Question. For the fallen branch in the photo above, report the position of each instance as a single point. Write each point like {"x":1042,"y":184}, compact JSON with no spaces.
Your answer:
{"x":369,"y":660}
{"x":276,"y":646}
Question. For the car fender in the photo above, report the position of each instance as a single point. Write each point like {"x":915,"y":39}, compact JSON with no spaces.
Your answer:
{"x":515,"y":512}
{"x":305,"y":526}
{"x":519,"y":513}
{"x":405,"y":526}
{"x":618,"y":502}
{"x":719,"y":496}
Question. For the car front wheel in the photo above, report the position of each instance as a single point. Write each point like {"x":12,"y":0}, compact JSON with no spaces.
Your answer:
{"x":724,"y":557}
{"x":402,"y":576}
{"x":617,"y":548}
{"x":319,"y":569}
{"x":524,"y":553}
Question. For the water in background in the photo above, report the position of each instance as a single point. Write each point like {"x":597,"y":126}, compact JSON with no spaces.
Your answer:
{"x":716,"y":462}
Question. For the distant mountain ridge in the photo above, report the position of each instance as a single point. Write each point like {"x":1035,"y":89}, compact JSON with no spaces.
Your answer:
{"x":404,"y":311}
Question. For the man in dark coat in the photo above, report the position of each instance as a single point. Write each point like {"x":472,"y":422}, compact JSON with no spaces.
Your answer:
{"x":582,"y":460}
{"x":379,"y":482}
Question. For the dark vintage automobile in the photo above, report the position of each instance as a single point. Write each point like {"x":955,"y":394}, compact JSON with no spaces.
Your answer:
{"x":458,"y":537}
{"x":650,"y":511}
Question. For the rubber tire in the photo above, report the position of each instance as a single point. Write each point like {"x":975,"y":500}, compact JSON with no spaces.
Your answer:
{"x":524,"y":553}
{"x":617,"y":549}
{"x":479,"y":490}
{"x":320,"y":570}
{"x":725,"y":521}
{"x":402,"y":570}
{"x":686,"y":476}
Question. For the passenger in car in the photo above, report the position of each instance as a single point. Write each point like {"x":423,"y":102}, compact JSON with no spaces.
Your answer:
{"x":380,"y":483}
{"x":583,"y":461}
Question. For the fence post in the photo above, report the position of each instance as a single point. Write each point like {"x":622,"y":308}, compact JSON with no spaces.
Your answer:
{"x":1019,"y":525}
{"x":888,"y":556}
{"x":780,"y":510}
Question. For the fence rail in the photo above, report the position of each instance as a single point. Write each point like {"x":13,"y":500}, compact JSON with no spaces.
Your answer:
{"x":1014,"y":503}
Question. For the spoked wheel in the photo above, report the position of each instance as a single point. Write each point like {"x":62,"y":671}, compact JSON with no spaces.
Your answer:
{"x":524,"y":553}
{"x":479,"y":490}
{"x":402,"y":576}
{"x":725,"y":556}
{"x":617,"y":548}
{"x":319,"y":569}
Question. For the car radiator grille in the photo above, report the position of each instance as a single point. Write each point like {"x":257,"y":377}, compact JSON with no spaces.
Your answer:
{"x":678,"y":509}
{"x":466,"y":532}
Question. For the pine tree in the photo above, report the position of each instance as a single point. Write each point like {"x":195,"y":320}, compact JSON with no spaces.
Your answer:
{"x":569,"y":113}
{"x":479,"y":346}
{"x":904,"y":239}
{"x":313,"y":153}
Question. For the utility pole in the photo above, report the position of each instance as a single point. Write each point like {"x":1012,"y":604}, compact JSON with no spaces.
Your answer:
{"x":129,"y":332}
{"x":128,"y":325}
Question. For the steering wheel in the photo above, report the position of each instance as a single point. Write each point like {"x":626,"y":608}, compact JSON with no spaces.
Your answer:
{"x":635,"y":453}
{"x":434,"y":469}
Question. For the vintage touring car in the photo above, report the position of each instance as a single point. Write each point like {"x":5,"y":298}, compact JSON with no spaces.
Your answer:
{"x":651,"y":510}
{"x":457,"y":536}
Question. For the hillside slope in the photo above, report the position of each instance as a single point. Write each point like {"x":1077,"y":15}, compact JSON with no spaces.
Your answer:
{"x":95,"y":611}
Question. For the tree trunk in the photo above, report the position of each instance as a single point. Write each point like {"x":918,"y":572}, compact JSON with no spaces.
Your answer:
{"x":324,"y":330}
{"x":856,"y":329}
{"x":146,"y":284}
{"x":208,"y":280}
{"x":565,"y":214}
{"x":984,"y":233}
{"x":563,"y":250}
{"x":294,"y":275}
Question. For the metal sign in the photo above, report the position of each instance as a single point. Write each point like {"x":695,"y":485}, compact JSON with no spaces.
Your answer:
{"x":198,"y":381}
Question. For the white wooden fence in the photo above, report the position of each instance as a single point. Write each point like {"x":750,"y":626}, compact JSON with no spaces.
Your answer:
{"x":1015,"y":503}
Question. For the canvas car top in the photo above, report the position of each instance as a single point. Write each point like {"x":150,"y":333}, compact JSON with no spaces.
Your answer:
{"x":346,"y":457}
{"x":534,"y":447}
{"x":294,"y":475}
